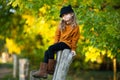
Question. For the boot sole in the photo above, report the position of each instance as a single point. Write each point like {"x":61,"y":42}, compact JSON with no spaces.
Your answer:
{"x":40,"y":77}
{"x":50,"y":73}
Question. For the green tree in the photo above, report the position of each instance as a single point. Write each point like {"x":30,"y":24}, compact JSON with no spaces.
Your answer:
{"x":29,"y":23}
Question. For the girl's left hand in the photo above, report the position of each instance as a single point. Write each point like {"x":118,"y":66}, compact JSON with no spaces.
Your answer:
{"x":73,"y":53}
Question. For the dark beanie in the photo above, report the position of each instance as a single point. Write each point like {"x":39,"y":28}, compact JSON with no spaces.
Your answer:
{"x":65,"y":10}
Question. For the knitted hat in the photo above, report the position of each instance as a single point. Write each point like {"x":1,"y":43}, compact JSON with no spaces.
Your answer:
{"x":65,"y":10}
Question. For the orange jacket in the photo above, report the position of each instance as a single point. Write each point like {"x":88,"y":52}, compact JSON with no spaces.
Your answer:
{"x":69,"y":36}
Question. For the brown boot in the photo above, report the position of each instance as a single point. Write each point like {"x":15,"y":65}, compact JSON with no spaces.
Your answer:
{"x":42,"y":73}
{"x":51,"y":66}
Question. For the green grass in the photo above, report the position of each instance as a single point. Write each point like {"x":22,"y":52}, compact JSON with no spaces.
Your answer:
{"x":92,"y":75}
{"x":9,"y":77}
{"x":8,"y":65}
{"x":72,"y":75}
{"x":83,"y":75}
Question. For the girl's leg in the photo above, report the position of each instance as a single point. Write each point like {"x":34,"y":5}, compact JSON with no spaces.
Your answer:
{"x":46,"y":56}
{"x":51,"y":50}
{"x":42,"y":72}
{"x":56,"y":47}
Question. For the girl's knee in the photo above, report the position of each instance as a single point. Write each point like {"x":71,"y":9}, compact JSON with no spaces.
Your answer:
{"x":46,"y":53}
{"x":51,"y":48}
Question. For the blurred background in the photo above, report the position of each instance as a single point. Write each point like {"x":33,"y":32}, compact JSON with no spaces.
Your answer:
{"x":27,"y":28}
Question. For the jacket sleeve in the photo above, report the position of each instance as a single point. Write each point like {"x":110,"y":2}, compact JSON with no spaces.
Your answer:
{"x":57,"y":35}
{"x":75,"y":38}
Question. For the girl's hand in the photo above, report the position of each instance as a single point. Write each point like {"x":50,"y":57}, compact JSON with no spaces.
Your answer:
{"x":73,"y":53}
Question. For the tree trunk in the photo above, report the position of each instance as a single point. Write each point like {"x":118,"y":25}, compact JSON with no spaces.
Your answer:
{"x":64,"y":59}
{"x":114,"y":69}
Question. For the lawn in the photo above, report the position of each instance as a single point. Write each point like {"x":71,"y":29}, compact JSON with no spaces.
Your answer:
{"x":72,"y":75}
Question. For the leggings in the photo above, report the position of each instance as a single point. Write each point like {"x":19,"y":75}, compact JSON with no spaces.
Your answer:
{"x":49,"y":54}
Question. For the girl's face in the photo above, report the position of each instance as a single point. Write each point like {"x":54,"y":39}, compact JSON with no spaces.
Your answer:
{"x":67,"y":17}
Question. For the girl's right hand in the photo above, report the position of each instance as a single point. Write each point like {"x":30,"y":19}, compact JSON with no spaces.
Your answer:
{"x":73,"y":53}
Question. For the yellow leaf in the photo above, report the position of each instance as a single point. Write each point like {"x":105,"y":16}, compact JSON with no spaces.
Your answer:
{"x":96,"y":10}
{"x":29,"y":19}
{"x":12,"y":46}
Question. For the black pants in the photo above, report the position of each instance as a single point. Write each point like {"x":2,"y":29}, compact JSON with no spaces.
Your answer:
{"x":49,"y":54}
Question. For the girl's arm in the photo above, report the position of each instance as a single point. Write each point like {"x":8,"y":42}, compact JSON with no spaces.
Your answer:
{"x":75,"y":38}
{"x":57,"y":35}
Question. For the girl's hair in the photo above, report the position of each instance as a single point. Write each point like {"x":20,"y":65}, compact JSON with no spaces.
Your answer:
{"x":73,"y":23}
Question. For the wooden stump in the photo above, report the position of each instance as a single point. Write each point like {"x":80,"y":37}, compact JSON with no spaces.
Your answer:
{"x":15,"y":65}
{"x":64,"y":59}
{"x":4,"y":57}
{"x":23,"y":69}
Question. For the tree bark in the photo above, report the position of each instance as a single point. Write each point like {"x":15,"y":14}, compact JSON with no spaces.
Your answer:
{"x":114,"y":69}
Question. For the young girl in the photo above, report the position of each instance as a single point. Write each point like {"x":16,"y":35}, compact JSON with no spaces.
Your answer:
{"x":67,"y":35}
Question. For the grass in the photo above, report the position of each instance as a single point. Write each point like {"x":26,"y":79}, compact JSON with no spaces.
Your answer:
{"x":93,"y":75}
{"x":72,"y":75}
{"x":83,"y":75}
{"x":9,"y":77}
{"x":8,"y":65}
